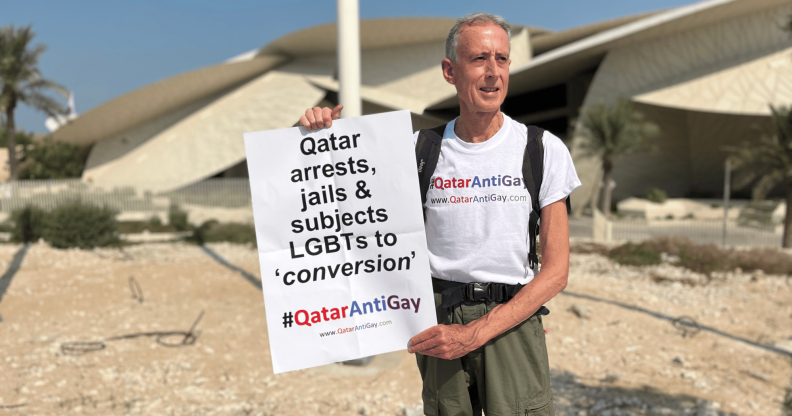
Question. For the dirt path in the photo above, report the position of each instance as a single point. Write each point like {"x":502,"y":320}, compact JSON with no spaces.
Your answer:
{"x":625,"y":356}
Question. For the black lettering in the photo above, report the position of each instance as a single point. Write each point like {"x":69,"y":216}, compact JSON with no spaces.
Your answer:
{"x":310,"y":149}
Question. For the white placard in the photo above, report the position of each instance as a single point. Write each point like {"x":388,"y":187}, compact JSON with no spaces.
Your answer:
{"x":342,"y":248}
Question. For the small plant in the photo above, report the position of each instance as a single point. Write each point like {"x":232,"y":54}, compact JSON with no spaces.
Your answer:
{"x":635,"y":255}
{"x":155,"y":222}
{"x":81,"y":226}
{"x":177,"y":218}
{"x":704,"y":259}
{"x":28,"y":225}
{"x":213,"y":231}
{"x":655,"y":195}
{"x":766,"y":259}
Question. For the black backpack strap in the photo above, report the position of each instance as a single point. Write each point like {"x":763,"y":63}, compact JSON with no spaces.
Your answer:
{"x":533,"y":170}
{"x":427,"y":152}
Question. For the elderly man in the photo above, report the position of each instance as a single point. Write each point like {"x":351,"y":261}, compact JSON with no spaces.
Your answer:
{"x":487,"y":354}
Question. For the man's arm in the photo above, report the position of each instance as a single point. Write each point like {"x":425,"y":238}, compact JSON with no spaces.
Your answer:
{"x":454,"y":341}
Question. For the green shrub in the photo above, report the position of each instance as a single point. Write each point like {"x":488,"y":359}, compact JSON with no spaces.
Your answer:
{"x":52,"y":160}
{"x":155,"y":221}
{"x":635,"y":255}
{"x":177,"y":218}
{"x":29,"y":225}
{"x":82,"y":226}
{"x":212,"y":231}
{"x":655,"y":195}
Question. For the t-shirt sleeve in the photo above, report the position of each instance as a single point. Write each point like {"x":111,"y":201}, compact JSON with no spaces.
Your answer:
{"x":559,"y":178}
{"x":415,"y":138}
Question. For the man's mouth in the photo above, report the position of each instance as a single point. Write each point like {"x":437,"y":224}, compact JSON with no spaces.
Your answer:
{"x":489,"y":89}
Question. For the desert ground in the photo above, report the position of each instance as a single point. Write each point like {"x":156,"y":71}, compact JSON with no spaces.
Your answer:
{"x":655,"y":340}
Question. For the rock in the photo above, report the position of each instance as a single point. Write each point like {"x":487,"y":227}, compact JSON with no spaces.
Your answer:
{"x":581,"y":311}
{"x":677,"y":361}
{"x":363,"y":410}
{"x":412,"y":411}
{"x":707,"y":409}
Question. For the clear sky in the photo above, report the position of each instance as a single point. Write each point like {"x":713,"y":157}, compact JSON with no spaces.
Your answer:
{"x":101,"y":49}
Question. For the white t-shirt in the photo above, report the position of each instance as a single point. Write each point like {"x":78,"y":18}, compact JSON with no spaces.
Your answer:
{"x":478,"y":207}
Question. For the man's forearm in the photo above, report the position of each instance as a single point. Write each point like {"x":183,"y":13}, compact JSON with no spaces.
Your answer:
{"x":524,"y":304}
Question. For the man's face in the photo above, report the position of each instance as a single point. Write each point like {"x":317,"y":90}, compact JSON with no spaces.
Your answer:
{"x":481,"y":73}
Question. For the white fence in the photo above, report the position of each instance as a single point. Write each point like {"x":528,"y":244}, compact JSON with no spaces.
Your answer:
{"x":703,"y":231}
{"x":226,"y":200}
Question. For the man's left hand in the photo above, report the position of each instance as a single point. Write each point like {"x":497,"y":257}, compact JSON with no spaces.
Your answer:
{"x":445,"y":341}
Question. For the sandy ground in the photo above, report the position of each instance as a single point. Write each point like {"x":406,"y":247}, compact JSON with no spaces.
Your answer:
{"x":616,"y":344}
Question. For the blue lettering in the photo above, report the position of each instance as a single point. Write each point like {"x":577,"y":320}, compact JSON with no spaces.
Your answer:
{"x":355,"y":308}
{"x":476,"y":182}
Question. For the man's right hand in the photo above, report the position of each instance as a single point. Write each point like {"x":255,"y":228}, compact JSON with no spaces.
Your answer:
{"x":319,"y":118}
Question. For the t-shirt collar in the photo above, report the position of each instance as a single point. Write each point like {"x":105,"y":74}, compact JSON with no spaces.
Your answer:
{"x":466,"y":147}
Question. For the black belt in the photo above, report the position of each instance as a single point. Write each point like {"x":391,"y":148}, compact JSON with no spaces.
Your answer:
{"x":454,"y":293}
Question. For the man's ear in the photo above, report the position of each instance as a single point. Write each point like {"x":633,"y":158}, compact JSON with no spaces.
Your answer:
{"x":448,"y":71}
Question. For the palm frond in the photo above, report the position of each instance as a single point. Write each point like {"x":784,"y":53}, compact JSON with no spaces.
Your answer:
{"x":767,"y":162}
{"x":614,"y":130}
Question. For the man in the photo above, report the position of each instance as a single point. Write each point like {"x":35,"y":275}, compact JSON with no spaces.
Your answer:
{"x":487,"y":355}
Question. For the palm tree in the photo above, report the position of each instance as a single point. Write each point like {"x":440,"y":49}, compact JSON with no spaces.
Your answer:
{"x":21,"y":82}
{"x":768,"y":163}
{"x":613,"y":131}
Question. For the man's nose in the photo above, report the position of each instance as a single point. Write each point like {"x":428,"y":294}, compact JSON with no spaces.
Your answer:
{"x":492,"y":68}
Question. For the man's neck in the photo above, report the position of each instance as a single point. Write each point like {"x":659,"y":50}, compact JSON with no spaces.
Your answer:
{"x":478,"y":127}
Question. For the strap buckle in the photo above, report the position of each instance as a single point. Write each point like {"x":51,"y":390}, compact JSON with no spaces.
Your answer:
{"x":478,"y":291}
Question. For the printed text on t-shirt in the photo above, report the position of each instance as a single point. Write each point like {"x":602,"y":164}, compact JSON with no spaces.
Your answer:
{"x":475,"y":182}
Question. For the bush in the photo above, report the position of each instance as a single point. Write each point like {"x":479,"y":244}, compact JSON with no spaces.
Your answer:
{"x":177,"y":218}
{"x":635,"y":255}
{"x":82,"y":226}
{"x":704,"y":258}
{"x":29,"y":225}
{"x":770,"y":261}
{"x":672,"y":245}
{"x":212,"y":231}
{"x":52,"y":160}
{"x":655,"y":195}
{"x":155,"y":222}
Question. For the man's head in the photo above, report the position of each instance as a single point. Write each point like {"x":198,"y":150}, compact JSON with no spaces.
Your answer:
{"x":477,"y":61}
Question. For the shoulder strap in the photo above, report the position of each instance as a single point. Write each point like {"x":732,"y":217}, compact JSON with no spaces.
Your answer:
{"x":427,"y":152}
{"x":533,"y":173}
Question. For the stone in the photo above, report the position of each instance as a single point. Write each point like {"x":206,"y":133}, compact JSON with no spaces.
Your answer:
{"x":412,"y":411}
{"x":581,"y":311}
{"x":707,"y":409}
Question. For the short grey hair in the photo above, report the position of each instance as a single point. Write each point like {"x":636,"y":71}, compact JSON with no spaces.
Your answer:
{"x":452,"y":41}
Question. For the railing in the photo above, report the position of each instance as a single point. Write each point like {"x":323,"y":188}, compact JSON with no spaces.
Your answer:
{"x":703,"y":231}
{"x":229,"y":193}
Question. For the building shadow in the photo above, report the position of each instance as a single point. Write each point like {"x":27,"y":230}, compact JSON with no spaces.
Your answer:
{"x":13,"y":268}
{"x":218,"y":258}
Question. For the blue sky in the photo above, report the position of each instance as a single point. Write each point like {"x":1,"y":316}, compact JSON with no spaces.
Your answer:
{"x":102,"y":49}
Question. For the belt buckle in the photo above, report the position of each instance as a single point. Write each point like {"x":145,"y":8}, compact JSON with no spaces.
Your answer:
{"x":480,"y":291}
